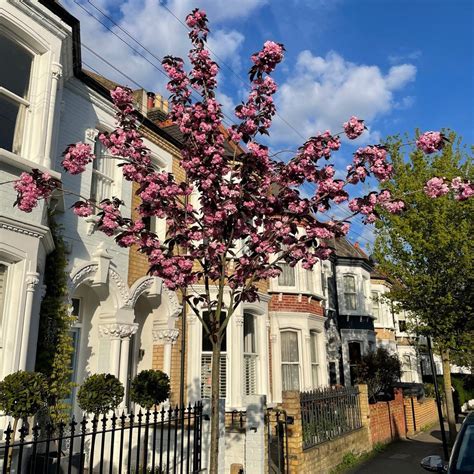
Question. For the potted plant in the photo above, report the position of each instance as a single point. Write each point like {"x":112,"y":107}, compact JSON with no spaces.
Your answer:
{"x":22,"y":394}
{"x":150,"y":388}
{"x":100,"y":393}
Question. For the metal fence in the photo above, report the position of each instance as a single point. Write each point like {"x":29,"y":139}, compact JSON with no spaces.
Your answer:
{"x":164,"y":441}
{"x":328,"y":413}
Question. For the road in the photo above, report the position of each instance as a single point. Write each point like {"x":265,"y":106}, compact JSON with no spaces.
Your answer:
{"x":403,"y":457}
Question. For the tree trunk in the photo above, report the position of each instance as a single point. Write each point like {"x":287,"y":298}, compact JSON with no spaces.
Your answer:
{"x":448,"y":394}
{"x":215,"y":382}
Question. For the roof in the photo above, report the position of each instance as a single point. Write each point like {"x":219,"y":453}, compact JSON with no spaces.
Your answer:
{"x":107,"y":83}
{"x":343,"y":248}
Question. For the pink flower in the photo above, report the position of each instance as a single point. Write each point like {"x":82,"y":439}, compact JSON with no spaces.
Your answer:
{"x":82,"y":209}
{"x":76,"y":157}
{"x":429,"y":142}
{"x":31,"y":187}
{"x":354,"y":127}
{"x":436,"y":187}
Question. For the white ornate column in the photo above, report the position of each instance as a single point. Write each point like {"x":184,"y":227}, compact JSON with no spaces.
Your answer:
{"x":119,"y":336}
{"x":167,"y":337}
{"x":32,"y":280}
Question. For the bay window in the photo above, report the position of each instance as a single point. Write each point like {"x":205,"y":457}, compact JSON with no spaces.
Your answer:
{"x":350,"y":292}
{"x":290,"y":360}
{"x":14,"y":87}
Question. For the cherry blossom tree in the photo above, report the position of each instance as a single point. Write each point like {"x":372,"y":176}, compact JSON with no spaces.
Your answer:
{"x":251,"y":213}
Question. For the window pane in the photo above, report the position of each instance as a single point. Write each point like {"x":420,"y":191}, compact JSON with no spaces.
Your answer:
{"x":314,"y":347}
{"x":249,"y":333}
{"x":11,"y":124}
{"x":290,"y":376}
{"x":350,"y":300}
{"x":355,"y":354}
{"x":287,"y":276}
{"x":289,"y":346}
{"x":15,"y":74}
{"x":349,"y":284}
{"x":314,"y":371}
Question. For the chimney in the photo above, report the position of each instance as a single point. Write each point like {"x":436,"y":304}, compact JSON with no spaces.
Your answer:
{"x":356,"y":245}
{"x":150,"y":100}
{"x":158,"y":101}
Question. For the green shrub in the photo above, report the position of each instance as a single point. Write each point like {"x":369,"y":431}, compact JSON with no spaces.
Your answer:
{"x":100,"y":393}
{"x":149,"y":388}
{"x":22,"y":394}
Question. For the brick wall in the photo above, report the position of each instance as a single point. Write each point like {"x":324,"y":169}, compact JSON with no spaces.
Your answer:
{"x":323,"y":458}
{"x":387,"y":420}
{"x":295,"y":303}
{"x":425,"y":412}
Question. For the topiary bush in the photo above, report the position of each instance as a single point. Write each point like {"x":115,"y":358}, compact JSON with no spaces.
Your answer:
{"x":22,"y":394}
{"x":149,"y":388}
{"x":100,"y":393}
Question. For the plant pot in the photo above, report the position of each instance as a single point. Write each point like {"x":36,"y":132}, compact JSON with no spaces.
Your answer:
{"x":53,"y":463}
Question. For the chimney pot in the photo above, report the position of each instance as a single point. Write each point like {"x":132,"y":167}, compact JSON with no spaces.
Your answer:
{"x":150,"y":100}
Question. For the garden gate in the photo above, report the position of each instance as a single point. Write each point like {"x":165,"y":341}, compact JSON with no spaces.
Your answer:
{"x":277,"y":425}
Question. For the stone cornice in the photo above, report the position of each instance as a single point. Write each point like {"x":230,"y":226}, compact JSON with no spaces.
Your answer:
{"x":117,"y":330}
{"x":32,"y":230}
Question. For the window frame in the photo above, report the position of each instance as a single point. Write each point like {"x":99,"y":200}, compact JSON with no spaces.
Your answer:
{"x":250,"y":358}
{"x":3,"y":297}
{"x":16,"y":99}
{"x":347,"y":293}
{"x":97,"y":175}
{"x":315,"y":362}
{"x":291,"y":363}
{"x":295,"y":276}
{"x":376,"y":304}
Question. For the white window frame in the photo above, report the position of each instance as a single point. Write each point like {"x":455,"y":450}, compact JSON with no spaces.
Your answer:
{"x":351,"y":293}
{"x":21,"y":101}
{"x":315,"y":356}
{"x":376,"y":305}
{"x":297,"y":363}
{"x":295,"y":276}
{"x":99,"y":176}
{"x":250,"y":359}
{"x":77,"y":329}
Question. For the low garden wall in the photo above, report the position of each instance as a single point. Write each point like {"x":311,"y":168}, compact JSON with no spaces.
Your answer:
{"x":419,"y":414}
{"x":387,"y":420}
{"x":325,"y":456}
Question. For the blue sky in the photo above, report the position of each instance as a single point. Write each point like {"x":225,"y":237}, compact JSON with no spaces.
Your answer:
{"x":400,"y":64}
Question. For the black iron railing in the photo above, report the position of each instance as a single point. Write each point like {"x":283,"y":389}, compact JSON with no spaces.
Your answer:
{"x":327,"y":413}
{"x":156,"y":441}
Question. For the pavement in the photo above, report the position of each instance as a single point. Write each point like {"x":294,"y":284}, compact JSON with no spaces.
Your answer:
{"x":404,"y":456}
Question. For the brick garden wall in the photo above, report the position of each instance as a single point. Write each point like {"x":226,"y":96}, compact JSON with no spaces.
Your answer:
{"x":425,"y":414}
{"x":387,"y":420}
{"x":326,"y":456}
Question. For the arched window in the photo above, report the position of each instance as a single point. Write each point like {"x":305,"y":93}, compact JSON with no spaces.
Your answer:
{"x":14,"y":88}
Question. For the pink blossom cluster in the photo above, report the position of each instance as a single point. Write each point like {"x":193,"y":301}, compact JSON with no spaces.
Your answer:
{"x":123,"y":99}
{"x":31,"y":187}
{"x":110,"y":218}
{"x":354,"y":128}
{"x":370,"y":160}
{"x":82,"y":209}
{"x":76,"y":157}
{"x":430,"y":142}
{"x":462,"y":189}
{"x":267,"y":59}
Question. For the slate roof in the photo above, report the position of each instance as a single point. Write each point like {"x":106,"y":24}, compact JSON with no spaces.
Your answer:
{"x":343,"y":248}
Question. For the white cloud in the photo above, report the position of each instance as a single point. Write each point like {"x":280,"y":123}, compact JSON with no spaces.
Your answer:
{"x":323,"y":92}
{"x":157,"y":30}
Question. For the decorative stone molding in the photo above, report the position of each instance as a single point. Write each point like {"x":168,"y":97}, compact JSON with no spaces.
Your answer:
{"x":273,"y":338}
{"x":117,"y":330}
{"x":91,"y":134}
{"x":32,"y":279}
{"x":165,"y":336}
